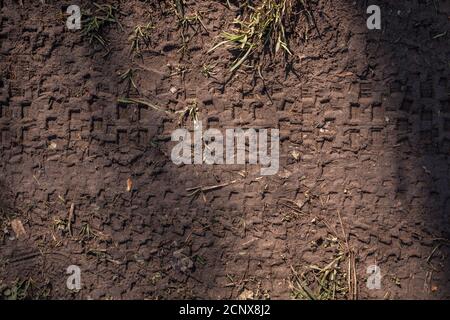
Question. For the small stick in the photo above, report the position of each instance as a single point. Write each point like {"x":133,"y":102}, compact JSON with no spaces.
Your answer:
{"x":209,"y":188}
{"x":71,"y":215}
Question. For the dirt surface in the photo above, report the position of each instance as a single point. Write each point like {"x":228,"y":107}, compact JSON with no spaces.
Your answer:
{"x":364,"y":118}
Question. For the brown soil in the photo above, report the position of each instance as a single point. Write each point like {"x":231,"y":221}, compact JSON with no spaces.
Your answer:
{"x":365,"y":125}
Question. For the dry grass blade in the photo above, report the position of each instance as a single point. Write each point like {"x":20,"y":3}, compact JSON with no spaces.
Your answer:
{"x":129,"y":77}
{"x":304,"y":290}
{"x":141,"y":102}
{"x":208,"y":188}
{"x":351,"y":275}
{"x":70,"y":218}
{"x":201,"y":190}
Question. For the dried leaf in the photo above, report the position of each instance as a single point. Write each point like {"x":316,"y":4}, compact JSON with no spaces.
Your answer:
{"x":246,"y":295}
{"x":18,"y":228}
{"x":52,"y":146}
{"x":129,"y":185}
{"x":296,"y":155}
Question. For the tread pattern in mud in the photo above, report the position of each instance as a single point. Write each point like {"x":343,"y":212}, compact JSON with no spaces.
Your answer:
{"x":365,"y":131}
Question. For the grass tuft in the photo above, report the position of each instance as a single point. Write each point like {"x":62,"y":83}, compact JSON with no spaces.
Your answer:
{"x":25,"y":289}
{"x":208,"y":70}
{"x":140,"y":38}
{"x":262,"y":29}
{"x":337,"y":279}
{"x":191,"y":112}
{"x":322,"y":283}
{"x":95,"y":23}
{"x":187,"y":22}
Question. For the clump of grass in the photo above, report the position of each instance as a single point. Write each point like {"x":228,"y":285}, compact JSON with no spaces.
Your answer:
{"x":321,"y":283}
{"x":18,"y":290}
{"x":86,"y":233}
{"x":187,"y":22}
{"x":25,"y":289}
{"x":337,"y":279}
{"x":61,"y":225}
{"x":262,"y":28}
{"x":155,"y":278}
{"x":190,"y":112}
{"x":179,"y":70}
{"x":208,"y":70}
{"x":95,"y":23}
{"x":140,"y":38}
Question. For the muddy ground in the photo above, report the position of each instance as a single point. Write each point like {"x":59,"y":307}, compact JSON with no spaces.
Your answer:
{"x":364,"y":117}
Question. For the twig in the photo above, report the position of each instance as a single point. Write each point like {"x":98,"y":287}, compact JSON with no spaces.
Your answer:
{"x":209,"y":188}
{"x":71,"y":215}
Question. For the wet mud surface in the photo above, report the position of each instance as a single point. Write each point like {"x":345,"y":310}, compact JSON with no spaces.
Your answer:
{"x":364,"y":120}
